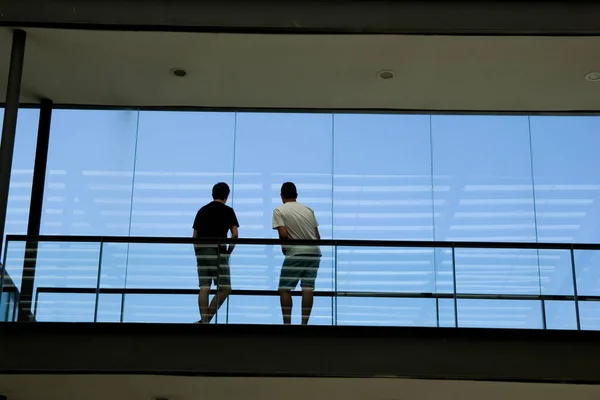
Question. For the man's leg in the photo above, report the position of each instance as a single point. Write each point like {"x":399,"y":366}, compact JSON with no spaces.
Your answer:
{"x":223,"y":281}
{"x":307,"y":303}
{"x":203,"y":303}
{"x":287,"y":282}
{"x":309,"y":276}
{"x":217,"y":301}
{"x":206,"y":273}
{"x":285,"y":298}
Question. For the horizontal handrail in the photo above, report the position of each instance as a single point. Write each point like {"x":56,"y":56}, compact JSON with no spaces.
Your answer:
{"x":323,"y":242}
{"x":318,"y":293}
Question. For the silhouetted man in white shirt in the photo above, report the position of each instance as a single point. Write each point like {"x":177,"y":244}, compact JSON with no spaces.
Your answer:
{"x":295,"y":221}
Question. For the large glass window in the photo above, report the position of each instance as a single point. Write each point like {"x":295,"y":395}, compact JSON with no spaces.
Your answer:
{"x":89,"y":184}
{"x":179,"y":157}
{"x":482,"y":166}
{"x":366,"y":176}
{"x":567,"y":197}
{"x":271,"y":149}
{"x":567,"y":180}
{"x":19,"y":194}
{"x":89,"y":173}
{"x":383,"y":191}
{"x":382,"y":177}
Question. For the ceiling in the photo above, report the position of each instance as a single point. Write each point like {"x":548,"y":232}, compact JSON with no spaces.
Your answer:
{"x":447,"y":73}
{"x":132,"y":387}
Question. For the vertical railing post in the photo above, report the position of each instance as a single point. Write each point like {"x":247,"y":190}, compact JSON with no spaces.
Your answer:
{"x":2,"y":272}
{"x":437,"y":311}
{"x":541,"y":292}
{"x":35,"y":304}
{"x":122,"y":305}
{"x":5,"y":306}
{"x":230,"y":287}
{"x":334,"y":300}
{"x":2,"y":269}
{"x":544,"y":321}
{"x":454,"y":286}
{"x":227,"y":310}
{"x":435,"y":289}
{"x":15,"y":309}
{"x":12,"y":297}
{"x":97,"y":301}
{"x":218,"y":275}
{"x":575,"y":292}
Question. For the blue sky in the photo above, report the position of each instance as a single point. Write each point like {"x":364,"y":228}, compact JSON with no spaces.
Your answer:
{"x":396,"y":177}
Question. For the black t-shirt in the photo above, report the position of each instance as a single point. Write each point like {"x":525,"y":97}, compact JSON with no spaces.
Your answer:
{"x":214,"y":220}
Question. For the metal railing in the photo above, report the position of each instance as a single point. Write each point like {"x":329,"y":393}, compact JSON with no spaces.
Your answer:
{"x":28,"y":300}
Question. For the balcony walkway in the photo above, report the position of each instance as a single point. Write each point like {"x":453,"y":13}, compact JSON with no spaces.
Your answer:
{"x":82,"y":272}
{"x":268,"y":350}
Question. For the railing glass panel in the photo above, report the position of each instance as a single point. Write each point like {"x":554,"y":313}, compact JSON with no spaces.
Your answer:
{"x":369,"y":283}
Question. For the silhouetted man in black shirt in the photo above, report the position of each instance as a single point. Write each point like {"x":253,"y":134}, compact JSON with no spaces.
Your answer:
{"x":214,"y":220}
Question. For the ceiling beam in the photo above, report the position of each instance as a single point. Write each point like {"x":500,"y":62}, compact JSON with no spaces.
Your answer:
{"x":292,"y":16}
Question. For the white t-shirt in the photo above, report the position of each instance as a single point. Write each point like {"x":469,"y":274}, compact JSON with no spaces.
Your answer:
{"x":301,"y":224}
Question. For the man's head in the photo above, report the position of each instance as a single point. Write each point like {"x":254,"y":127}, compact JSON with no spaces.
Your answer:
{"x":220,"y":192}
{"x":288,"y":192}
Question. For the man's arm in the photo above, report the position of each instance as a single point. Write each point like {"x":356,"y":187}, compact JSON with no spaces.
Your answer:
{"x":279,"y":224}
{"x":234,"y":230}
{"x":234,"y":235}
{"x":195,"y":227}
{"x":195,"y":235}
{"x":316,"y":224}
{"x":283,"y":235}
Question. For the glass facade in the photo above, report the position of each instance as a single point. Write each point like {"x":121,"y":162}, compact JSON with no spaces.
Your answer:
{"x":19,"y":196}
{"x":367,"y":177}
{"x":17,"y":212}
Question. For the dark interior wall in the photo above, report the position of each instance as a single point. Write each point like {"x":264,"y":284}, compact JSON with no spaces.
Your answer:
{"x":232,"y":350}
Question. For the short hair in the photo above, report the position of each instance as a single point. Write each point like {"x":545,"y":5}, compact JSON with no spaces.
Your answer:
{"x":220,"y":191}
{"x":288,"y":191}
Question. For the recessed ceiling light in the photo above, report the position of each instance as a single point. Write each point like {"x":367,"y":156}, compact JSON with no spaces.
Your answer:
{"x":178,"y":72}
{"x":593,"y":77}
{"x":386,"y":74}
